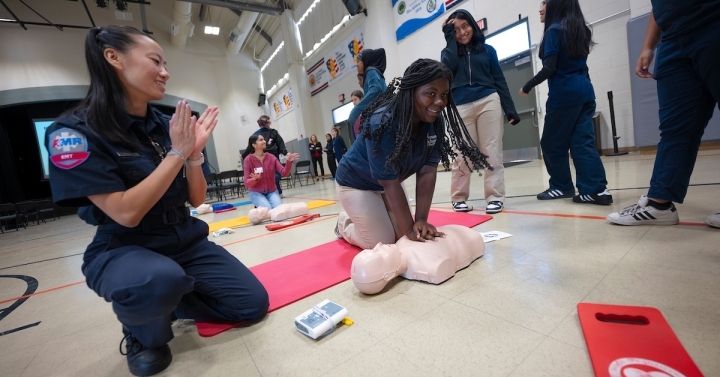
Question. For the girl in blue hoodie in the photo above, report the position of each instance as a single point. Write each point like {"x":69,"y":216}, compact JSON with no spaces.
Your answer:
{"x":481,"y":94}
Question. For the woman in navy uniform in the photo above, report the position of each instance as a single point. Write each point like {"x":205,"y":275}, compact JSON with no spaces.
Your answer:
{"x":131,"y":170}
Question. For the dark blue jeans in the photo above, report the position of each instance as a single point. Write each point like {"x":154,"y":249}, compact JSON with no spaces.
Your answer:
{"x":571,"y":128}
{"x":687,"y":72}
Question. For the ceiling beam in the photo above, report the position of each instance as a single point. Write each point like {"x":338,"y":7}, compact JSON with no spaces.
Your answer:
{"x":22,"y":24}
{"x":236,"y":5}
{"x":257,"y":28}
{"x":88,"y":13}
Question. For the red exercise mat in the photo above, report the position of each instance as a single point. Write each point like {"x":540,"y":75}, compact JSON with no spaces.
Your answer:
{"x":296,"y":276}
{"x":633,"y":341}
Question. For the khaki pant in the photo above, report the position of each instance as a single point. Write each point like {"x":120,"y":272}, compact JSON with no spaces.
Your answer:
{"x":484,"y":121}
{"x":366,"y":219}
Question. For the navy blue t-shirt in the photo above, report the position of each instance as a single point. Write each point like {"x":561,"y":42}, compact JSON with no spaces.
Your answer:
{"x":677,"y":18}
{"x":361,"y":169}
{"x":569,"y":85}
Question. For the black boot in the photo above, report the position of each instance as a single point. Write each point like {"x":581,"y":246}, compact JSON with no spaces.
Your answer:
{"x":144,"y":361}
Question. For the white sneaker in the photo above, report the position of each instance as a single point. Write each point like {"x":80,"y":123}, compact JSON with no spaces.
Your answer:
{"x":713,"y":220}
{"x":643,"y":214}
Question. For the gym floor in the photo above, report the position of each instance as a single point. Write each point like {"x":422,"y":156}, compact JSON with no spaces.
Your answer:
{"x":511,"y":313}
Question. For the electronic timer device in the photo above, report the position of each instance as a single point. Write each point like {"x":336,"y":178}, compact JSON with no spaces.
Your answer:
{"x":321,"y":320}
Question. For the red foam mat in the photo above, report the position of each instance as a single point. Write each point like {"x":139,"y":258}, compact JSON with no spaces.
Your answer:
{"x":296,"y":276}
{"x":629,"y":341}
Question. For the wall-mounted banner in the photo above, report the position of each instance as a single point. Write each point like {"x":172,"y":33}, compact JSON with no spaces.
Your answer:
{"x":411,"y":15}
{"x":282,"y":103}
{"x":336,"y":64}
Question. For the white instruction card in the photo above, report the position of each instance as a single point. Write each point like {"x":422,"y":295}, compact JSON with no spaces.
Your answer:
{"x":494,"y":236}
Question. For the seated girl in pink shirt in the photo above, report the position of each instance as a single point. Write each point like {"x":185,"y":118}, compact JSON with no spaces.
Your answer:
{"x":259,"y":172}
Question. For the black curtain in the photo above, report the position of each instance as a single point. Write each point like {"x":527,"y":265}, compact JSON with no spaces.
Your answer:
{"x":20,"y":161}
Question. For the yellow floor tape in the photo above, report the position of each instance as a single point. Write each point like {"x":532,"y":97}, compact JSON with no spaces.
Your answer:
{"x":243,"y":220}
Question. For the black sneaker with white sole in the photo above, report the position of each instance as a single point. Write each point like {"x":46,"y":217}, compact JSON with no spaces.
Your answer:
{"x":604,"y":198}
{"x":494,"y":207}
{"x":551,"y":194}
{"x":461,"y":207}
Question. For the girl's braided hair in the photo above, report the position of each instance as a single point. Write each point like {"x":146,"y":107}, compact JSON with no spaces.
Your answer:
{"x":398,"y":102}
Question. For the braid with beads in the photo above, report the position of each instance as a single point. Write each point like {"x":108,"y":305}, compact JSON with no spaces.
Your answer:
{"x":398,"y":102}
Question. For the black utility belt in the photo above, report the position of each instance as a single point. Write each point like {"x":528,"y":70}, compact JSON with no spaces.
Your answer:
{"x":175,"y":216}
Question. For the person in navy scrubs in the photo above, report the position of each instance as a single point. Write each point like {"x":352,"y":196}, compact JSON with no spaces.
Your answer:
{"x":338,"y":144}
{"x":131,"y":170}
{"x":570,"y":106}
{"x":687,"y":71}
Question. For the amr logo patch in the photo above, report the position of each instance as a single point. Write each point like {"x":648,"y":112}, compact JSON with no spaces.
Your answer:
{"x":68,"y":148}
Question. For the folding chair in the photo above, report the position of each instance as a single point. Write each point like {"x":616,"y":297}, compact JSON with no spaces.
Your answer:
{"x":9,"y":212}
{"x":303,"y":168}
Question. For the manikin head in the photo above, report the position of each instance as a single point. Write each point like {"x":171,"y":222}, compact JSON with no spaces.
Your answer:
{"x":258,"y":215}
{"x":372,"y":269}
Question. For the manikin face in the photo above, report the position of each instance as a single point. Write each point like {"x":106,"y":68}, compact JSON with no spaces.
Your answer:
{"x":355,"y":100}
{"x":542,"y":12}
{"x":430,"y":100}
{"x":141,"y":70}
{"x":463,"y":31}
{"x":259,"y":145}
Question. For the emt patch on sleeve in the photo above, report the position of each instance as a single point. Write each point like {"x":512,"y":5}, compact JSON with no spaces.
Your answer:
{"x":68,"y":148}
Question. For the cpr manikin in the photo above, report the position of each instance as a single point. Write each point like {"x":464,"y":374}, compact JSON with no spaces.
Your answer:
{"x":280,"y":213}
{"x":431,"y":261}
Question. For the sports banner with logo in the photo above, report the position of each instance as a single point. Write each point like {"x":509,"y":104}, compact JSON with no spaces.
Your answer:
{"x":282,"y":103}
{"x":411,"y":15}
{"x":336,"y":64}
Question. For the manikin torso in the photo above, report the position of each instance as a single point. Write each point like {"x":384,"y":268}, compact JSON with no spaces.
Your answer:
{"x":279,"y":213}
{"x":431,"y":261}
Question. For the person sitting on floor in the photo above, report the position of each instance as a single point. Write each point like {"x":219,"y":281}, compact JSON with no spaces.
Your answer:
{"x":259,"y":173}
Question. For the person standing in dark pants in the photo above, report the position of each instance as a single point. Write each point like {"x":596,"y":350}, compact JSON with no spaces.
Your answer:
{"x":330,"y":153}
{"x":131,"y":171}
{"x":275,"y":145}
{"x":338,"y":144}
{"x":687,"y":72}
{"x":316,"y":156}
{"x":570,"y":106}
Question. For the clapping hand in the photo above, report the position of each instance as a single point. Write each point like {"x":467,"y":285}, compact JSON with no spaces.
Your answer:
{"x":255,"y":176}
{"x":292,"y":157}
{"x":204,"y":128}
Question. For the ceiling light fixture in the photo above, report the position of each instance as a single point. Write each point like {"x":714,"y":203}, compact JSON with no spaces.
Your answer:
{"x":213,"y":30}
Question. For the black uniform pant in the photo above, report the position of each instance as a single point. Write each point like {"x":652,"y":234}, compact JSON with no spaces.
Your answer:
{"x":317,"y":161}
{"x":332,"y":164}
{"x":176,"y":270}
